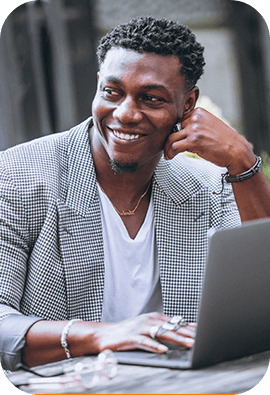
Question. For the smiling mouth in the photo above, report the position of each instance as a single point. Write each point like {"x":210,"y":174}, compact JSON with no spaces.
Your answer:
{"x":125,"y":136}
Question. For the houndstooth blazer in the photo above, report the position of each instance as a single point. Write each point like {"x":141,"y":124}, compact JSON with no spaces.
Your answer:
{"x":51,"y":250}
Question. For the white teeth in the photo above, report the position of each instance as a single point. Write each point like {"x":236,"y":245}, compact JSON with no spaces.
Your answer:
{"x":125,"y":136}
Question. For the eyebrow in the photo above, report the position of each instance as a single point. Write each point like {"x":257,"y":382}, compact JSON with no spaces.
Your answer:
{"x":116,"y":80}
{"x":113,"y":79}
{"x":155,"y":86}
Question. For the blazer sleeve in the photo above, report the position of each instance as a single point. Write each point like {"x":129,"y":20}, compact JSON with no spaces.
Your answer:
{"x":230,"y":216}
{"x":14,"y":243}
{"x":13,"y":330}
{"x":14,"y":250}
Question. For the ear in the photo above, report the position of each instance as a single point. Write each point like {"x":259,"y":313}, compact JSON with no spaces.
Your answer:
{"x":190,"y":100}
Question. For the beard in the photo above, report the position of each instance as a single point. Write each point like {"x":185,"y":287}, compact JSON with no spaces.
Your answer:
{"x":118,"y":167}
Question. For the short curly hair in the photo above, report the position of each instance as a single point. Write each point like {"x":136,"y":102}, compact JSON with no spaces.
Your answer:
{"x":160,"y":36}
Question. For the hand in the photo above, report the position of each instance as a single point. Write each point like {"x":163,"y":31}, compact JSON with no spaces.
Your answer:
{"x":210,"y":138}
{"x":42,"y":341}
{"x":134,"y":333}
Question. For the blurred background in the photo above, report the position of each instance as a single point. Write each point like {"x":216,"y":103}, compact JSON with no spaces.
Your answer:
{"x":48,"y":63}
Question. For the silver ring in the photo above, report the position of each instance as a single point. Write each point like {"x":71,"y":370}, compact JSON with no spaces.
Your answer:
{"x":177,"y":127}
{"x":179,"y":320}
{"x":153,"y":331}
{"x":174,"y":323}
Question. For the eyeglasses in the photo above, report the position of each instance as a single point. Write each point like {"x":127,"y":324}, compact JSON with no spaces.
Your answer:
{"x":82,"y":375}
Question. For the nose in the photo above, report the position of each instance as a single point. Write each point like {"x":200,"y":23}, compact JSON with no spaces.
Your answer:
{"x":128,"y":111}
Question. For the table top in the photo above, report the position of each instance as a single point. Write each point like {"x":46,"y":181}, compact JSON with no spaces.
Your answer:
{"x":231,"y":377}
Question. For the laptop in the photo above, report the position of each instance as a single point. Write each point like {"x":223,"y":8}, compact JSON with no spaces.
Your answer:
{"x":234,"y":312}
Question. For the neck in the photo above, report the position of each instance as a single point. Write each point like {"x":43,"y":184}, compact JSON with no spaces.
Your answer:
{"x":125,"y":190}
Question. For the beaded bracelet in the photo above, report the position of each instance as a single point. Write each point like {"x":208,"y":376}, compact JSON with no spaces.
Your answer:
{"x":241,"y":177}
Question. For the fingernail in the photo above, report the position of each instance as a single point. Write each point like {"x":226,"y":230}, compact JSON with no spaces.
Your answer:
{"x":161,"y":347}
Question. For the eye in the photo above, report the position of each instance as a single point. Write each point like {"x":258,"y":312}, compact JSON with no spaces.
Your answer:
{"x":153,"y":99}
{"x":110,"y":93}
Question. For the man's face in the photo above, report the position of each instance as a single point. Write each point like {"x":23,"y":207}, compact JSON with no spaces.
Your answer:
{"x":139,"y":98}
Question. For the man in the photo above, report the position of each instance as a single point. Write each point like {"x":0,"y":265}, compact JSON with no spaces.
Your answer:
{"x":103,"y":239}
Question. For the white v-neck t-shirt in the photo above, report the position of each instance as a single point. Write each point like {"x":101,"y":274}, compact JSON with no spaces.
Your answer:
{"x":132,"y":284}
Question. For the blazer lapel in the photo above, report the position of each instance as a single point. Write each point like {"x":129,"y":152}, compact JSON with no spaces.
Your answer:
{"x":80,"y":232}
{"x":182,"y":221}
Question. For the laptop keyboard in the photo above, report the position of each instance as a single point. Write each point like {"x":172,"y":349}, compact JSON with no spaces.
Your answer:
{"x":173,"y":358}
{"x":183,"y":354}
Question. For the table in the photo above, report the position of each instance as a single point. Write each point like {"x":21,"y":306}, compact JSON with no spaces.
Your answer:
{"x":231,"y":377}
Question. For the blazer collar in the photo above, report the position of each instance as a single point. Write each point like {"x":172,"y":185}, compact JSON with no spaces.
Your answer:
{"x":176,"y":180}
{"x":81,"y":169}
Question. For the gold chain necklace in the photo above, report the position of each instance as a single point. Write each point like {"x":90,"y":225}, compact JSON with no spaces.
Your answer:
{"x":129,"y":212}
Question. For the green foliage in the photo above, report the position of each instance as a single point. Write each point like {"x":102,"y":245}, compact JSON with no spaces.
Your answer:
{"x":266,"y":165}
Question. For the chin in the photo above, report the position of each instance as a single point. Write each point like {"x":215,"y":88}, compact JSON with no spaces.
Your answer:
{"x":119,"y":167}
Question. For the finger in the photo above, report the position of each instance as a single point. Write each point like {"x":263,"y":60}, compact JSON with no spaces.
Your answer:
{"x":172,"y":146}
{"x":172,"y":337}
{"x":185,"y":118}
{"x":183,"y":332}
{"x":151,"y":345}
{"x":142,"y":342}
{"x":193,"y":326}
{"x":181,"y":135}
{"x":176,"y":146}
{"x":187,"y":331}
